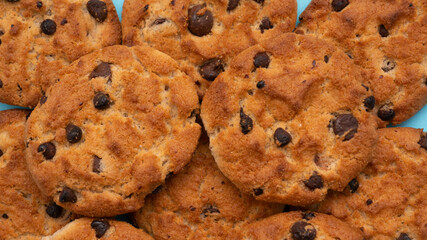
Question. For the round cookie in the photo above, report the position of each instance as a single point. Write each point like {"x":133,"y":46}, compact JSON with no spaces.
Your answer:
{"x":301,"y":226}
{"x":386,"y":38}
{"x":117,"y":123}
{"x":289,"y":120}
{"x":388,"y":199}
{"x":200,"y":203}
{"x":24,"y":211}
{"x":203,"y":35}
{"x":38,"y":37}
{"x":93,"y":229}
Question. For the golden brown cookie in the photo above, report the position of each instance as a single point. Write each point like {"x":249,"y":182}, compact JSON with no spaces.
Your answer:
{"x":93,"y":229}
{"x":204,"y":35}
{"x":290,"y":120}
{"x":301,"y":226}
{"x":200,"y":203}
{"x":108,"y":133}
{"x":388,"y":200}
{"x":386,"y":38}
{"x":24,"y":212}
{"x":39,"y":37}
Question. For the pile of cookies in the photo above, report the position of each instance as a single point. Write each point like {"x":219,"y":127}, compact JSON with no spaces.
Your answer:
{"x":213,"y":119}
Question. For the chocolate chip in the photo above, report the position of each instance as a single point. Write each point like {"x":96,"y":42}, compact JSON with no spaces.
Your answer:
{"x":353,"y":185}
{"x":314,"y":182}
{"x":48,"y":150}
{"x":211,"y":68}
{"x":102,"y":70}
{"x":146,"y":7}
{"x":246,"y":122}
{"x":13,"y":1}
{"x":43,"y":100}
{"x":101,"y":101}
{"x":339,"y":5}
{"x":308,"y":215}
{"x":0,"y":41}
{"x":345,"y":123}
{"x":386,"y":112}
{"x":232,"y":4}
{"x":388,"y":64}
{"x":100,"y":226}
{"x":265,"y":24}
{"x":260,"y":84}
{"x":159,"y":21}
{"x":383,"y":31}
{"x":53,"y":210}
{"x":5,"y":216}
{"x":200,"y":20}
{"x":98,"y":10}
{"x":1,"y":84}
{"x":282,"y":137}
{"x":74,"y":133}
{"x":172,"y":3}
{"x":64,"y":21}
{"x":423,"y":142}
{"x":210,"y":209}
{"x":369,"y":102}
{"x":68,"y":195}
{"x":157,"y":189}
{"x":96,"y":164}
{"x":39,"y":4}
{"x":326,"y":59}
{"x":369,"y":202}
{"x":1,"y":153}
{"x":259,"y":1}
{"x":48,"y":27}
{"x":1,"y":33}
{"x":258,"y":191}
{"x":303,"y":231}
{"x":261,"y":60}
{"x":404,"y":236}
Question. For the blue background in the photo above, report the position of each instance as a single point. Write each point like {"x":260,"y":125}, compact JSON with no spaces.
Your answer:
{"x":417,"y":121}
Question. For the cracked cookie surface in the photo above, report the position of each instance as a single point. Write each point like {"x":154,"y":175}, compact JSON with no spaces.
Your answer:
{"x":200,"y":203}
{"x":93,"y":229}
{"x":386,"y":38}
{"x":388,"y":199}
{"x":108,"y":133}
{"x":301,"y":226}
{"x":38,"y":37}
{"x":203,"y":35}
{"x":24,"y":212}
{"x":289,"y":120}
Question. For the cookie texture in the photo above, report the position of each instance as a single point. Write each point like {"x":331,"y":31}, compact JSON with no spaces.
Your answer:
{"x":108,"y":133}
{"x":200,"y":203}
{"x":388,"y":199}
{"x":386,"y":38}
{"x":288,"y":121}
{"x":38,"y":37}
{"x":93,"y":229}
{"x":203,"y":35}
{"x":24,"y":212}
{"x":301,"y":226}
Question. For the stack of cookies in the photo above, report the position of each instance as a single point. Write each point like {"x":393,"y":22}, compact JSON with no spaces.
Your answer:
{"x":213,"y":119}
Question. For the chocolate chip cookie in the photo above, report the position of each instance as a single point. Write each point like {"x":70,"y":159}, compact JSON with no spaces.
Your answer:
{"x":388,"y":39}
{"x":203,"y":35}
{"x":301,"y":226}
{"x":388,"y":199}
{"x":290,"y":120}
{"x":200,"y":203}
{"x":93,"y":229}
{"x":38,"y":37}
{"x":117,"y":123}
{"x":24,"y":211}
